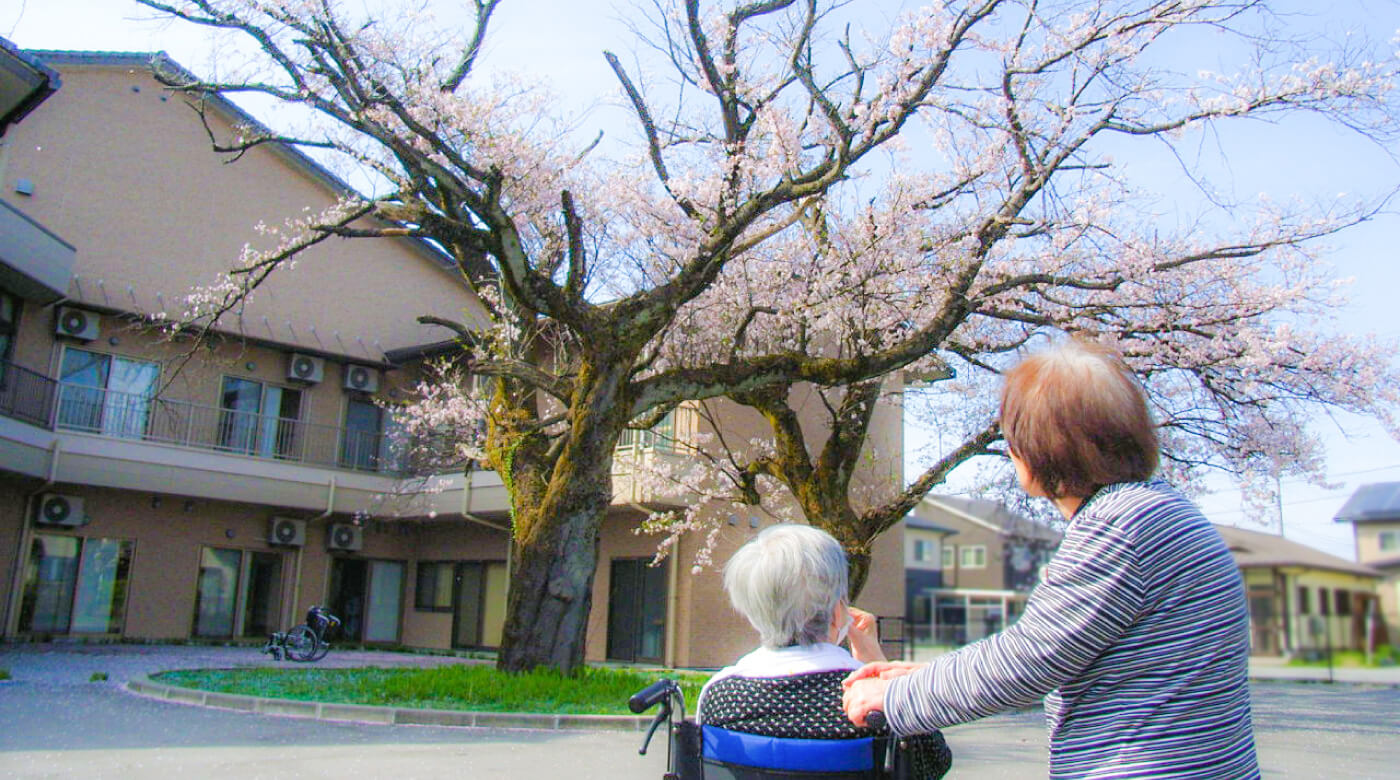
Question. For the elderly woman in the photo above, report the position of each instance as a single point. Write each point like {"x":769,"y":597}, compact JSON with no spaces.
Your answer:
{"x":790,"y":583}
{"x":1139,"y":630}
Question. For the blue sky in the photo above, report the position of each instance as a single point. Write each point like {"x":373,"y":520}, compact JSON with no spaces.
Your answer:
{"x":564,"y":40}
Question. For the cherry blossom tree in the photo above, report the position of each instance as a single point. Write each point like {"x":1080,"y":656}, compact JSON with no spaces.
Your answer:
{"x":823,"y":205}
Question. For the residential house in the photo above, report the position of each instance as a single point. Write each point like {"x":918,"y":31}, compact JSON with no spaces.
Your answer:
{"x":221,"y":500}
{"x":1374,"y":513}
{"x":1302,"y":600}
{"x":989,"y":559}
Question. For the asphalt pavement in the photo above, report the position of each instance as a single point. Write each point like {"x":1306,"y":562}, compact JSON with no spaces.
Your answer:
{"x":55,"y":722}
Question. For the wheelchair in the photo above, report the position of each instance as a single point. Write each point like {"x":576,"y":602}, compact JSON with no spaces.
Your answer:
{"x":698,"y":752}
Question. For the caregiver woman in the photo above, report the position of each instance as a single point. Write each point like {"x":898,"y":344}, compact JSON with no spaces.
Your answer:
{"x":1138,"y":634}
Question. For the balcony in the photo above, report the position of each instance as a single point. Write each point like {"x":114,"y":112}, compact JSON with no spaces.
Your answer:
{"x":134,"y":441}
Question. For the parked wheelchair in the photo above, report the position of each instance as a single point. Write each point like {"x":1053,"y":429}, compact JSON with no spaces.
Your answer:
{"x":699,"y":752}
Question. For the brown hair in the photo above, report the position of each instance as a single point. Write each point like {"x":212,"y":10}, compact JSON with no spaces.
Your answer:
{"x":1078,"y":418}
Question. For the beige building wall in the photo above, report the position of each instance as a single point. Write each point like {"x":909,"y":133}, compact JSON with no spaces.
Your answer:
{"x":124,"y":172}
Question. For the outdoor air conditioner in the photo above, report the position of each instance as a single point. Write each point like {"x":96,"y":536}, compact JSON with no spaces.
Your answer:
{"x":344,"y":536}
{"x":305,"y":368}
{"x":362,"y":378}
{"x":77,"y":323}
{"x":286,"y":531}
{"x":55,"y":509}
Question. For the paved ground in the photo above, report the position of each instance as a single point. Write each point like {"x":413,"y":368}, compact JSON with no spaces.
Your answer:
{"x":54,"y":723}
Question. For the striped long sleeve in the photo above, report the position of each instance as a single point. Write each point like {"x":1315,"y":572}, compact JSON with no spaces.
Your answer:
{"x":1137,"y":637}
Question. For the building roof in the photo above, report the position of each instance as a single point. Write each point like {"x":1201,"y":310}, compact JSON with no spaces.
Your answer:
{"x":913,"y":520}
{"x":989,"y":514}
{"x":1255,"y":550}
{"x":1378,"y":502}
{"x":24,"y":84}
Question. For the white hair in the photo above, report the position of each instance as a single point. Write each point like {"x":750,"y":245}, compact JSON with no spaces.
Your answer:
{"x":787,"y":581}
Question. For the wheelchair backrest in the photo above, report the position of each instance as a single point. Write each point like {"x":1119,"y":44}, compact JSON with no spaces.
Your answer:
{"x":735,"y":755}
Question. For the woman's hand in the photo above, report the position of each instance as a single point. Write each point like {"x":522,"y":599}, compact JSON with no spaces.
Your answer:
{"x":865,"y":636}
{"x":882,"y":670}
{"x":863,"y":696}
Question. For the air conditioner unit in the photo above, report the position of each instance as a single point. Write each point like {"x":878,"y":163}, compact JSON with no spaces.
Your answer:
{"x":286,"y":531}
{"x":362,"y":378}
{"x":77,"y":324}
{"x":344,"y":536}
{"x":305,"y":368}
{"x":60,"y":510}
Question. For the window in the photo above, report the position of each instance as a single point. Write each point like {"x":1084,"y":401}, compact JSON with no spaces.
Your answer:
{"x":9,"y":326}
{"x":75,"y":585}
{"x":661,"y":436}
{"x":1389,"y":541}
{"x":434,"y":590}
{"x":259,"y":419}
{"x":105,"y":394}
{"x":923,"y":550}
{"x":974,"y":557}
{"x":228,"y":578}
{"x":1304,"y":607}
{"x":1343,"y":599}
{"x":949,"y":551}
{"x":1323,"y":605}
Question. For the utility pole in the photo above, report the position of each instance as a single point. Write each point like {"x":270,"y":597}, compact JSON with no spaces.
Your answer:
{"x":1278,"y":501}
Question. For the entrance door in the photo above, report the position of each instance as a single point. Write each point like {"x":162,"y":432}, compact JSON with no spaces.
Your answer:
{"x":636,"y":611}
{"x":368,"y":598}
{"x":479,"y":606}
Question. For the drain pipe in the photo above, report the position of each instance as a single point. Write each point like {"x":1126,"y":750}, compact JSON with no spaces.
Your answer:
{"x":465,"y":511}
{"x":26,"y":537}
{"x":296,"y":579}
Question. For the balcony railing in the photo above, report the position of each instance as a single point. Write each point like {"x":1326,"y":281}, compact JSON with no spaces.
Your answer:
{"x":26,"y":395}
{"x":36,"y":399}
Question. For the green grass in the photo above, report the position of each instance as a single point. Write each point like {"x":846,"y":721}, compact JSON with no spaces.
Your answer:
{"x":98,"y":677}
{"x":476,"y":687}
{"x":1385,"y":655}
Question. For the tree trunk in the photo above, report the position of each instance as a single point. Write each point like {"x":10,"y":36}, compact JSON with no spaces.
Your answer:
{"x":857,"y":570}
{"x":552,"y":570}
{"x":556,"y":539}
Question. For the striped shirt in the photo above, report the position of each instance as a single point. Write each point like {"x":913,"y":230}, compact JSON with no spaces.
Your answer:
{"x":1138,"y":633}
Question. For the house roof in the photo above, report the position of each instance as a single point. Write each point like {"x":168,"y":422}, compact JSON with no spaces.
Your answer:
{"x":988,"y":514}
{"x":1378,"y":502}
{"x":24,"y":84}
{"x":914,"y":521}
{"x":1255,"y":550}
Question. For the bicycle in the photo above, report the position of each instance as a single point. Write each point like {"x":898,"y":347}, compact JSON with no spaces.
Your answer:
{"x":307,"y":642}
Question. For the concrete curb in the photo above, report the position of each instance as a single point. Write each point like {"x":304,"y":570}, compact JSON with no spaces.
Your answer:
{"x":394,"y":716}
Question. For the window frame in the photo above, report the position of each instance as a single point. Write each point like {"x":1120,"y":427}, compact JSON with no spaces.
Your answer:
{"x":977,"y":553}
{"x":436,"y":606}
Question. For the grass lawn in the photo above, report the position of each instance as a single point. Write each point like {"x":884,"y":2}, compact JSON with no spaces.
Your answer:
{"x":476,"y":687}
{"x":1385,"y":655}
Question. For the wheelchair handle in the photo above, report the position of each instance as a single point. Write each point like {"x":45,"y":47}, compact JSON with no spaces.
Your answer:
{"x":875,"y":719}
{"x":647,"y":697}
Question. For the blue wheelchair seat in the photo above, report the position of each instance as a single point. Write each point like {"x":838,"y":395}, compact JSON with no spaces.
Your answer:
{"x":793,"y":755}
{"x":735,"y":755}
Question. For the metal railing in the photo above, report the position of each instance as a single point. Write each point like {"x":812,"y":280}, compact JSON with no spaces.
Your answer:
{"x":39,"y":400}
{"x":31,"y":397}
{"x":26,"y":395}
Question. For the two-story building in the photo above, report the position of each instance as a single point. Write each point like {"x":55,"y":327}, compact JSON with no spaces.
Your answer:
{"x":154,"y":487}
{"x":1374,"y":513}
{"x":988,"y":561}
